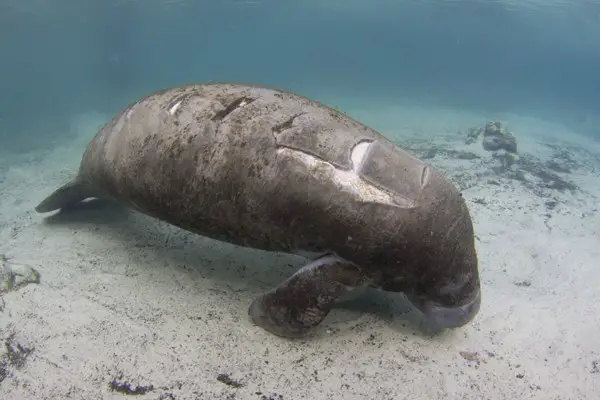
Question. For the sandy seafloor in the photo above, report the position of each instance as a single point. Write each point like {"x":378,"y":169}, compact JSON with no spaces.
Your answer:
{"x":128,"y":304}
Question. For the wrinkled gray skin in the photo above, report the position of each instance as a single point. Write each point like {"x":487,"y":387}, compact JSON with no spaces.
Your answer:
{"x":257,"y":167}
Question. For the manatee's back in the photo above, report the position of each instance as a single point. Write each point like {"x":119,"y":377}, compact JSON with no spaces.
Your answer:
{"x":232,"y":162}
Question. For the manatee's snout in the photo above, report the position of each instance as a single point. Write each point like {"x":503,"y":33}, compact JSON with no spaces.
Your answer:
{"x":451,"y":304}
{"x":448,"y":291}
{"x":441,"y":317}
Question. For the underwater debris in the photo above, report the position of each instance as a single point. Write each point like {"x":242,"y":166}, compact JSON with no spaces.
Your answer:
{"x":525,"y":283}
{"x":508,"y":161}
{"x":557,"y":167}
{"x":472,"y":356}
{"x":496,"y":137}
{"x":14,"y":276}
{"x":546,"y":178}
{"x":532,"y":172}
{"x":272,"y":396}
{"x":466,"y":155}
{"x":227,"y":380}
{"x":124,"y":387}
{"x":14,"y":356}
{"x":473,"y":135}
{"x":498,"y":140}
{"x":563,"y":160}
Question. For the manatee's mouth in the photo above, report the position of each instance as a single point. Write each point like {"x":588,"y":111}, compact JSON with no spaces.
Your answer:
{"x":441,"y":317}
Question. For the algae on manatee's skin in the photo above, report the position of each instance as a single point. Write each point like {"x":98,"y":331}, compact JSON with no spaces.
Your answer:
{"x":14,"y":276}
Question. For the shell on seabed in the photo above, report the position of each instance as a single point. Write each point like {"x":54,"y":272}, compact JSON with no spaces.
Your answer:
{"x":14,"y":276}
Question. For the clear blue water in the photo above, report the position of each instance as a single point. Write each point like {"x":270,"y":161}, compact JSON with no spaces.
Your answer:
{"x":64,"y":57}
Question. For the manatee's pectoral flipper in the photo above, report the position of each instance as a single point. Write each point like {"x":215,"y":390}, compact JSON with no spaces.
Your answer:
{"x":304,"y":300}
{"x":66,"y":195}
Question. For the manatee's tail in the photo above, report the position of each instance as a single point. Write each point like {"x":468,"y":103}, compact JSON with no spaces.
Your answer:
{"x":66,"y":195}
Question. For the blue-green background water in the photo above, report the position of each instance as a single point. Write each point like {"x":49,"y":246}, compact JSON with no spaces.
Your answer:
{"x":66,"y":57}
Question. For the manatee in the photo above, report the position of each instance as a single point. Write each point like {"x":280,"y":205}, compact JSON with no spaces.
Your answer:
{"x":268,"y":169}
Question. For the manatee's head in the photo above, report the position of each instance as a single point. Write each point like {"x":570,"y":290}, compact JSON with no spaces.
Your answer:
{"x":446,"y":286}
{"x":449,"y":299}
